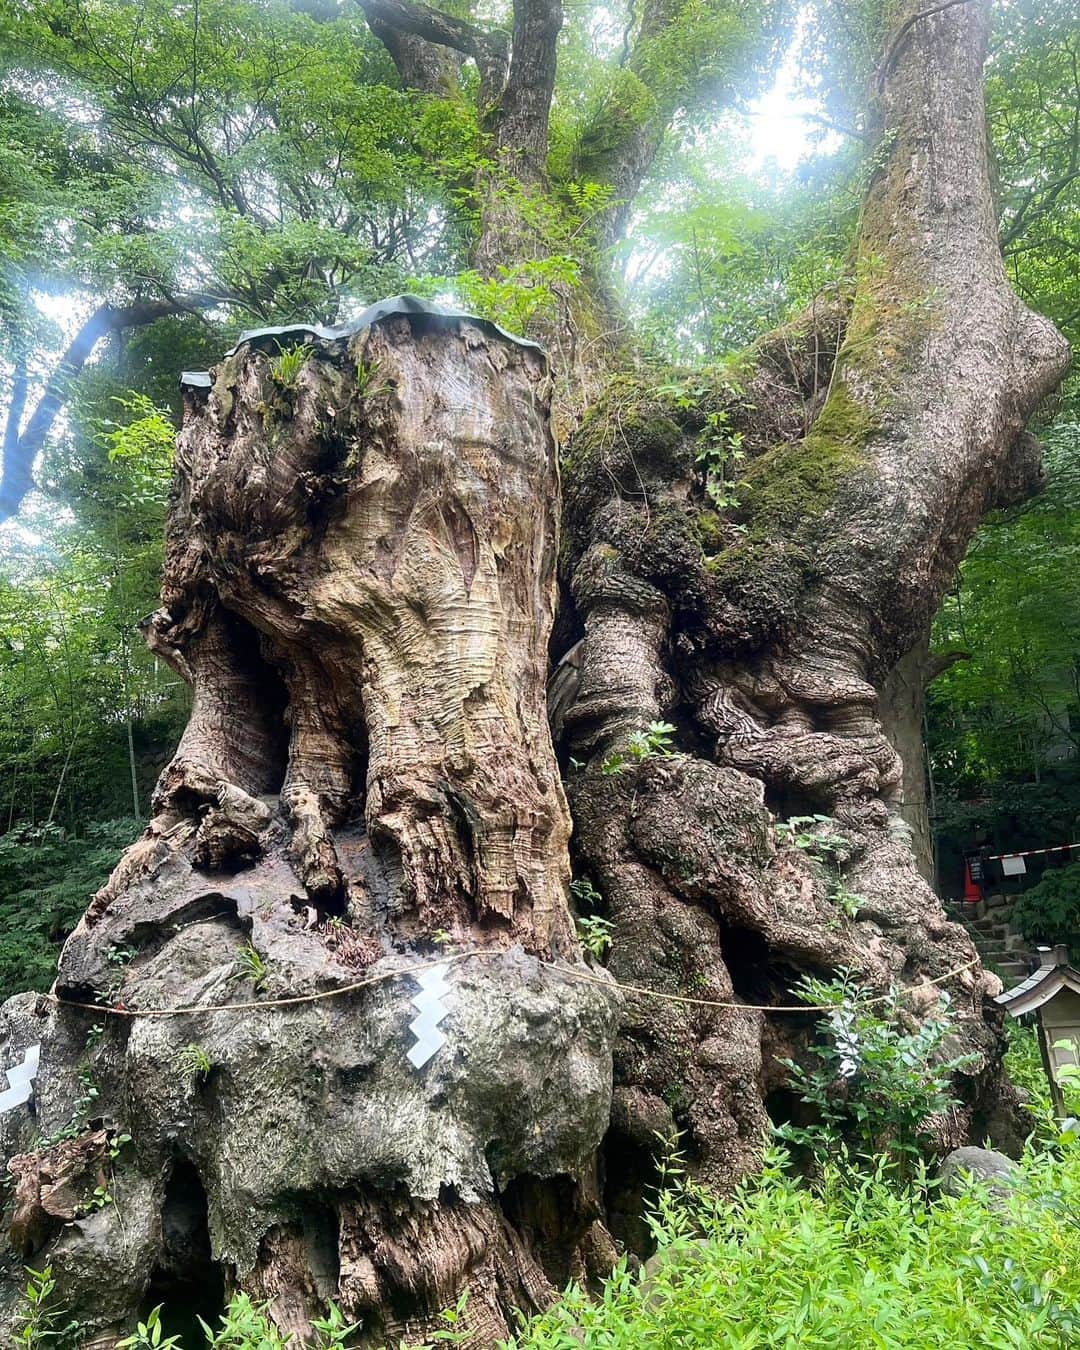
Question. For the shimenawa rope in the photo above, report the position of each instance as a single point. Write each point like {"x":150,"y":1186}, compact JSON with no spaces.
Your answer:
{"x":254,"y":1005}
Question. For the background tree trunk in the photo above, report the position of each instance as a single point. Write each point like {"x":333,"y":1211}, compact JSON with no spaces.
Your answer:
{"x":902,"y":708}
{"x":901,"y":704}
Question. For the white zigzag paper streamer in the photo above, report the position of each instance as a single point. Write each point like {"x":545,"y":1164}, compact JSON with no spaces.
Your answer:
{"x":429,"y":1005}
{"x":21,"y":1079}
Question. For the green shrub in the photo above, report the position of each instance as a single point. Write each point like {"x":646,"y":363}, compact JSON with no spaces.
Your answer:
{"x":872,"y":1083}
{"x":41,"y":1322}
{"x":1050,"y":912}
{"x":852,"y":1262}
{"x":1024,"y":1065}
{"x":47,"y":877}
{"x":246,"y":1326}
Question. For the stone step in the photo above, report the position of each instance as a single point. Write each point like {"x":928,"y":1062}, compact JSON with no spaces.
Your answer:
{"x":991,"y":945}
{"x":1014,"y":971}
{"x":999,"y":934}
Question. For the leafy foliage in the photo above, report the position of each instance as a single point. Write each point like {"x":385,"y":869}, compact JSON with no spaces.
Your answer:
{"x":194,"y":1063}
{"x":148,"y":1335}
{"x":285,"y":368}
{"x":1012,"y":704}
{"x":41,"y":1323}
{"x":1033,"y":90}
{"x":245,"y":1325}
{"x":46,"y":880}
{"x":655,"y":740}
{"x":250,"y":966}
{"x":820,"y":838}
{"x":872,"y":1083}
{"x":1049,"y":912}
{"x":594,"y":932}
{"x":87,"y":714}
{"x":854,"y":1261}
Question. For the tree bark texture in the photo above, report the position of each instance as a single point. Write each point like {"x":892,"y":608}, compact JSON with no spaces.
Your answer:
{"x":360,"y":585}
{"x":902,"y":705}
{"x":763,"y":631}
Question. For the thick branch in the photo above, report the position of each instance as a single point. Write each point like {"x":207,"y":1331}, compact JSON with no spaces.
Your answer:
{"x":488,"y":48}
{"x":424,"y":66}
{"x":525,"y":106}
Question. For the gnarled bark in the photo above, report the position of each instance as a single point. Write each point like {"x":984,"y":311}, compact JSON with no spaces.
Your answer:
{"x":764,"y":630}
{"x":360,"y":585}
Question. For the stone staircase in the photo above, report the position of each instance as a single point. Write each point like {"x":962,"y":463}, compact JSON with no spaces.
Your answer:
{"x":1001,"y":947}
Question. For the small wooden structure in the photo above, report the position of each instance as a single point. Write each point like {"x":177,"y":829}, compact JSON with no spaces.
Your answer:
{"x":1053,"y":994}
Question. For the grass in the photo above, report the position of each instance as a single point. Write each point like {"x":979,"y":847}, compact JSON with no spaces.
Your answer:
{"x":854,"y":1261}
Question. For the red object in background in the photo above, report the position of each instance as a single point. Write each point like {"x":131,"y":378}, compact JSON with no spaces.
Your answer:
{"x":972,"y":894}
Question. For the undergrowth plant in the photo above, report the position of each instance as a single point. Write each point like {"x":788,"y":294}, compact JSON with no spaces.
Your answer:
{"x":594,"y":934}
{"x":148,"y":1335}
{"x":371,"y":381}
{"x":42,"y":1323}
{"x":871,"y":1083}
{"x":821,"y":839}
{"x":285,"y":368}
{"x":245,"y":1325}
{"x":193,"y":1062}
{"x":654,"y":741}
{"x":250,"y":966}
{"x":857,"y":1260}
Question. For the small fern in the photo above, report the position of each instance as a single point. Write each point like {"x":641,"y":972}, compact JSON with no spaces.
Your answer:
{"x":193,"y":1062}
{"x":250,"y":966}
{"x":594,"y":934}
{"x":285,"y":368}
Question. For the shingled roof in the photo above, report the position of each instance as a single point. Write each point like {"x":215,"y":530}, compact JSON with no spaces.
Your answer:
{"x":1054,"y":974}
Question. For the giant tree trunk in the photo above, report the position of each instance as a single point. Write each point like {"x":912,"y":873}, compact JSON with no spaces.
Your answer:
{"x":359,"y":584}
{"x":763,"y":631}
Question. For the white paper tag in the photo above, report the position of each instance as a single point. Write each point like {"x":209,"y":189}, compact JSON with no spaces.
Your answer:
{"x":429,"y":1004}
{"x":20,"y":1079}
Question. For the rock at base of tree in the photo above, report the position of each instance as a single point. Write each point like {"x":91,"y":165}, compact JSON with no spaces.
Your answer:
{"x":979,"y":1164}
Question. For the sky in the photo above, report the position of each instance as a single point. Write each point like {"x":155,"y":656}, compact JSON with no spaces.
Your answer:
{"x":781,"y":121}
{"x":780,"y":127}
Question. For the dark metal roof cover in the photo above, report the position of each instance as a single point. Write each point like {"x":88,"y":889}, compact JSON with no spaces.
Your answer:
{"x":384,"y":309}
{"x":1053,"y":975}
